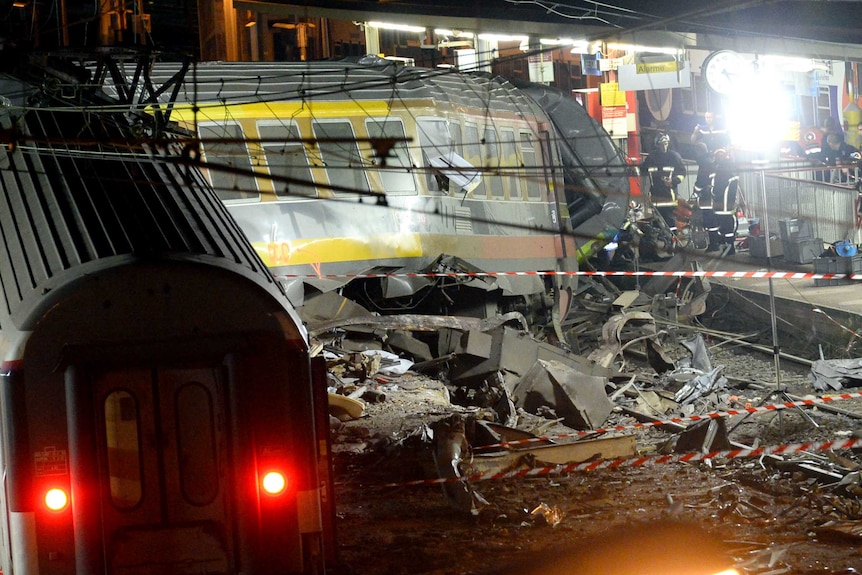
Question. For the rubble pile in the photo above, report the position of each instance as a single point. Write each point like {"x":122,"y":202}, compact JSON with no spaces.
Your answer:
{"x":465,"y":403}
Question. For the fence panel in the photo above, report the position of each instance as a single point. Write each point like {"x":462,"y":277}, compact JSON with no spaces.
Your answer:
{"x":832,"y":209}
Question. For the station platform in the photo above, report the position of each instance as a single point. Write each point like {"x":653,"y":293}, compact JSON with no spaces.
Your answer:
{"x":809,"y":317}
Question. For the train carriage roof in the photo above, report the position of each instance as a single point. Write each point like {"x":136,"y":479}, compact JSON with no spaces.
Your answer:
{"x":371,"y":78}
{"x":77,"y":194}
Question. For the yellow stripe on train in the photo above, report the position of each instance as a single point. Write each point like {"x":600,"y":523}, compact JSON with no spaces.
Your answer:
{"x":284,"y":110}
{"x":324,"y":250}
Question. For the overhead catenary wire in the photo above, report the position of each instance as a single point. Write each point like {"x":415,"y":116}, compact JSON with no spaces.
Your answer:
{"x":367,"y":164}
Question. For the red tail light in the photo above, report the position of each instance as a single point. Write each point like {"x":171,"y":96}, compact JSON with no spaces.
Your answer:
{"x":56,"y":499}
{"x":274,"y":482}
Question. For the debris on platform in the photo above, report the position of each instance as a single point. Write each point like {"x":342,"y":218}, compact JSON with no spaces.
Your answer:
{"x":578,"y":398}
{"x":466,"y":400}
{"x":700,"y":385}
{"x":835,"y":374}
{"x":704,"y":437}
{"x":620,"y":332}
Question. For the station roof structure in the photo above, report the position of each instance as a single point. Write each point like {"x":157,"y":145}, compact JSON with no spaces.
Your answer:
{"x":827,"y":29}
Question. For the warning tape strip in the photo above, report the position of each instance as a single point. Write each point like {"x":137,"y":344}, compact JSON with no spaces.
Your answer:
{"x":658,"y":423}
{"x":691,"y":273}
{"x":644,"y":461}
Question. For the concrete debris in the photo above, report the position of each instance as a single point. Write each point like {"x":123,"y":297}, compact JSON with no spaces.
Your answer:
{"x":478,"y":353}
{"x":578,"y":398}
{"x":415,"y":322}
{"x":834,"y":374}
{"x":704,"y":437}
{"x":502,"y":402}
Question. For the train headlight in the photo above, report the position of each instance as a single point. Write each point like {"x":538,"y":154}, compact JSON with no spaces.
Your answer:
{"x":274,"y":483}
{"x":56,"y":499}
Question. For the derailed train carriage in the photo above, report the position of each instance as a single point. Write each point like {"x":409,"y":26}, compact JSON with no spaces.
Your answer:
{"x":159,"y":411}
{"x":481,"y":176}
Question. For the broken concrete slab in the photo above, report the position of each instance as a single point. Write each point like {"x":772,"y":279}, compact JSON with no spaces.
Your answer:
{"x":578,"y":398}
{"x":836,"y":374}
{"x":513,"y":351}
{"x":704,"y":437}
{"x":403,"y":341}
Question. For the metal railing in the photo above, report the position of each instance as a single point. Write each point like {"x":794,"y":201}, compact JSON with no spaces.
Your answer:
{"x":825,"y":197}
{"x":804,"y":193}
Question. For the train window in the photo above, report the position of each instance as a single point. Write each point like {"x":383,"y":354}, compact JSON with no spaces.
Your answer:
{"x":287,"y":159}
{"x":396,"y":176}
{"x":512,"y":164}
{"x":226,"y":147}
{"x":491,"y":161}
{"x":435,"y":142}
{"x":196,"y":444}
{"x":451,"y":172}
{"x":455,"y":132}
{"x":473,"y":154}
{"x":534,"y":176}
{"x":340,"y":154}
{"x":124,"y":451}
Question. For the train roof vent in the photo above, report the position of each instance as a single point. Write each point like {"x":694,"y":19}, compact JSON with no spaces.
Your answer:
{"x":85,"y":188}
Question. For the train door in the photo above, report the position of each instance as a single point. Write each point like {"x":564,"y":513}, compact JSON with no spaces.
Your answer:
{"x":162,"y":451}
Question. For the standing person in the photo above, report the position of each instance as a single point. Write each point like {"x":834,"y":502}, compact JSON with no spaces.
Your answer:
{"x":666,"y":172}
{"x":703,"y":190}
{"x":725,"y":186}
{"x":836,"y":153}
{"x":709,"y":133}
{"x":830,"y":126}
{"x":705,"y":170}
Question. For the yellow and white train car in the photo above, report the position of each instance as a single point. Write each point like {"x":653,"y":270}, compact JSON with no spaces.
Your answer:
{"x":336,"y":170}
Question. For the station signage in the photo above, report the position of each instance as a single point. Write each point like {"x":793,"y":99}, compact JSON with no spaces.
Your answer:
{"x":654,"y":75}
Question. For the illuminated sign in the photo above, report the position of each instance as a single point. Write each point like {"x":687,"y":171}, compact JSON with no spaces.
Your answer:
{"x":656,"y":67}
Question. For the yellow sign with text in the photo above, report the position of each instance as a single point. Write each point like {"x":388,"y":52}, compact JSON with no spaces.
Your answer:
{"x":657,"y":67}
{"x":611,"y":94}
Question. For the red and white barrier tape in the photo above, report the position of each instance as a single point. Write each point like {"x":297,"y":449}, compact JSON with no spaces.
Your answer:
{"x":692,"y":273}
{"x":714,"y":415}
{"x":645,"y":461}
